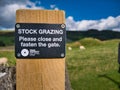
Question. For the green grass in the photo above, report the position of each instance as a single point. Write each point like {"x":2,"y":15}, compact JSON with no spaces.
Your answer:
{"x":7,"y":37}
{"x":96,"y":67}
{"x":10,"y":56}
{"x":7,"y":40}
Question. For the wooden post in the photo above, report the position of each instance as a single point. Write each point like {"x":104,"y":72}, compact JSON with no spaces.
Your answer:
{"x":40,"y":74}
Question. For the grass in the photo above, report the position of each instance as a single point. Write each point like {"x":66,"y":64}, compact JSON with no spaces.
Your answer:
{"x":10,"y":56}
{"x":96,"y":67}
{"x":7,"y":37}
{"x":7,"y":40}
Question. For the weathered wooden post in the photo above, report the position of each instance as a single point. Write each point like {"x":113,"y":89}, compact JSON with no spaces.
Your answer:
{"x":40,"y":49}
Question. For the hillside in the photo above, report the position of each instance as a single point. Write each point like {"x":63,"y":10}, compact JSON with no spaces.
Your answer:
{"x":94,"y":68}
{"x":7,"y":37}
{"x":102,"y":35}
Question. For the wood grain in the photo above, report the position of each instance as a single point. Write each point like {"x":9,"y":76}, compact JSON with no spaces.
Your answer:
{"x":40,"y":74}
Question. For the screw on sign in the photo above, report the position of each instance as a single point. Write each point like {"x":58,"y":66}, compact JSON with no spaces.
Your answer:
{"x":18,"y":25}
{"x":63,"y":26}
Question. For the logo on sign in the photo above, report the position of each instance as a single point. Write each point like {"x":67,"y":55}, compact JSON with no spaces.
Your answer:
{"x":24,"y":52}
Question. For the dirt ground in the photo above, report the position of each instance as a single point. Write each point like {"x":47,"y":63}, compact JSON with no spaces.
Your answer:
{"x":7,"y":48}
{"x":7,"y":78}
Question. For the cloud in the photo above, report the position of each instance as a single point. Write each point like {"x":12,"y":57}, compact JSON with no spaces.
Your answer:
{"x":38,"y":2}
{"x":110,"y":23}
{"x":8,"y":9}
{"x":54,"y":7}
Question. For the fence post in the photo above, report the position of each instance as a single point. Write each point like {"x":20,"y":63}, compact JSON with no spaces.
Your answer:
{"x":43,"y":73}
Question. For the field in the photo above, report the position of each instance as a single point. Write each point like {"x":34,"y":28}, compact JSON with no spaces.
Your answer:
{"x":6,"y":38}
{"x":95,"y":68}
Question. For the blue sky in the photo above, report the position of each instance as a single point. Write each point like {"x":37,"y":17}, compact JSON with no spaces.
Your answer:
{"x":80,"y":14}
{"x":86,"y":9}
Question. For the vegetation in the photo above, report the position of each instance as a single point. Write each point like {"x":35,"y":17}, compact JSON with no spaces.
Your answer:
{"x":6,"y":38}
{"x":10,"y":56}
{"x":95,"y":68}
{"x":101,"y":35}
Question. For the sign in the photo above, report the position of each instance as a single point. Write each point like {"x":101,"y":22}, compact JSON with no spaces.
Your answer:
{"x":35,"y":40}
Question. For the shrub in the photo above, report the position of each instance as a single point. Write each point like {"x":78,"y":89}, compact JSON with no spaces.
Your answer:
{"x":2,"y":43}
{"x":90,"y":42}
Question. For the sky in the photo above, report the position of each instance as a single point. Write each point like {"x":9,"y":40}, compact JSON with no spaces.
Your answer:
{"x":80,"y":14}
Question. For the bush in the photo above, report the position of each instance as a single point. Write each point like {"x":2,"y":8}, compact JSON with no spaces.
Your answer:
{"x":90,"y":42}
{"x":2,"y":43}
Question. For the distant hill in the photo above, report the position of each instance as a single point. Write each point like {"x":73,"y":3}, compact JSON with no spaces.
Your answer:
{"x":102,"y":35}
{"x":7,"y":37}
